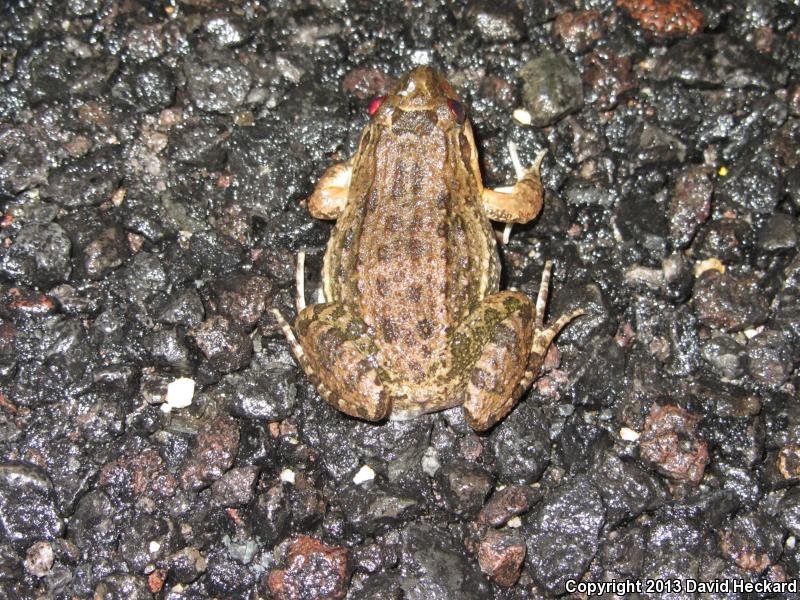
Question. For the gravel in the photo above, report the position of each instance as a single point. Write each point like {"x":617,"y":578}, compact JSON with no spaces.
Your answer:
{"x":154,"y":159}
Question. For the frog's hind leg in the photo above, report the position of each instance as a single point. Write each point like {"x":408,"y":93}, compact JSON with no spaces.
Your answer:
{"x":521,"y":202}
{"x":333,"y":348}
{"x":543,"y":336}
{"x":490,"y":351}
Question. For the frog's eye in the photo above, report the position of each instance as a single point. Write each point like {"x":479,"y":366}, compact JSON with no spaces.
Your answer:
{"x":375,"y":105}
{"x":458,"y":110}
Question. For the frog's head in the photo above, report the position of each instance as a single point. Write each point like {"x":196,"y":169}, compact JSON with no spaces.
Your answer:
{"x":421,"y":90}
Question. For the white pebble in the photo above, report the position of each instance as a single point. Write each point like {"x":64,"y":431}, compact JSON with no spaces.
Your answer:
{"x":154,"y":546}
{"x":522,"y":116}
{"x":514,"y":522}
{"x":629,"y":435}
{"x":180,"y":393}
{"x":287,"y":476}
{"x":365,"y":473}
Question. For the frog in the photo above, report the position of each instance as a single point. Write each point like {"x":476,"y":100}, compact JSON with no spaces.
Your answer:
{"x":411,"y":319}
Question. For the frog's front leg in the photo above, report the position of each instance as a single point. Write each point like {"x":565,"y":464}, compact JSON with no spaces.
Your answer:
{"x":521,"y":202}
{"x":334,"y":349}
{"x":509,"y":344}
{"x":329,"y":197}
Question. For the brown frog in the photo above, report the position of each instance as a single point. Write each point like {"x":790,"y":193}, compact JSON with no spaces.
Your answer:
{"x":414,"y":321}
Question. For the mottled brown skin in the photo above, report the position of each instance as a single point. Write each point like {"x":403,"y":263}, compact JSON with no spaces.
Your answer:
{"x":414,"y":322}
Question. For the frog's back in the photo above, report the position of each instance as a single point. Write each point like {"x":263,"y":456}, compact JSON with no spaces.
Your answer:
{"x":415,"y":252}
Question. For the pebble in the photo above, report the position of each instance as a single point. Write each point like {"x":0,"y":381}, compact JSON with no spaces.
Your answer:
{"x":39,"y":255}
{"x":726,"y":356}
{"x":508,"y":502}
{"x":27,"y":505}
{"x":235,"y":486}
{"x":311,"y":569}
{"x":664,"y":19}
{"x":579,"y":30}
{"x":671,"y":444}
{"x":496,"y":20}
{"x":211,"y":454}
{"x":464,"y":487}
{"x":180,"y":392}
{"x":500,"y":556}
{"x":731,"y":304}
{"x":551,"y":88}
{"x":219,"y":84}
{"x":39,"y":559}
{"x":569,"y":520}
{"x":223,"y":343}
{"x":689,"y":205}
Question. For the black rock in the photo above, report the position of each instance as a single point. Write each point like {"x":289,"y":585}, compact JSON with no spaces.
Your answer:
{"x":521,"y":445}
{"x":27,"y":508}
{"x":718,"y":60}
{"x":562,"y":536}
{"x":265,"y":391}
{"x":219,"y":84}
{"x":464,"y":487}
{"x":551,"y":88}
{"x":725,"y":355}
{"x":223,"y":343}
{"x":433,"y":568}
{"x":39,"y":255}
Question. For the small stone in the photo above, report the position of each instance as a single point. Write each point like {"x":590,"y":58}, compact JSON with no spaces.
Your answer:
{"x":522,"y":116}
{"x":665,"y":18}
{"x":579,"y":30}
{"x":718,"y":60}
{"x":464,"y":487}
{"x":219,"y":84}
{"x":755,"y":183}
{"x":39,"y":559}
{"x":789,"y":462}
{"x":500,"y":556}
{"x":770,"y":358}
{"x":689,"y":205}
{"x":628,"y":434}
{"x":153,"y":87}
{"x":752,"y":541}
{"x":724,"y":302}
{"x":365,"y":473}
{"x":27,"y":505}
{"x":551,"y":88}
{"x":180,"y":393}
{"x":227,"y":30}
{"x":184,"y":308}
{"x":212,"y":454}
{"x":287,"y":476}
{"x":224,"y":344}
{"x":265,"y":391}
{"x":670,"y":443}
{"x":243,"y":298}
{"x":235,"y":486}
{"x":562,"y":538}
{"x":608,"y":76}
{"x":105,"y":252}
{"x":186,"y":565}
{"x":496,"y":20}
{"x":725,"y":355}
{"x":39,"y":255}
{"x":778,"y":233}
{"x":311,"y":570}
{"x":506,"y":503}
{"x":198,"y":146}
{"x":522,"y":445}
{"x":728,"y":240}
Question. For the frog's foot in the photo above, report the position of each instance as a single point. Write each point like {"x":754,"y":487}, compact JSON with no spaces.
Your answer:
{"x":491,"y":350}
{"x":521,"y":202}
{"x":329,"y":197}
{"x":333,"y":348}
{"x":543,"y":336}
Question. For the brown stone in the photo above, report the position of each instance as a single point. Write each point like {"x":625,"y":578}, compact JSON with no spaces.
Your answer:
{"x":670,"y":443}
{"x":500,"y":556}
{"x":312,"y":570}
{"x":665,"y":18}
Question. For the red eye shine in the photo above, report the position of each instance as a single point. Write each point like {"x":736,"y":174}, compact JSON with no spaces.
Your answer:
{"x":458,"y":110}
{"x":375,"y":105}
